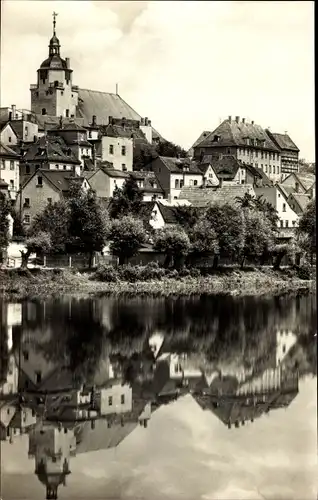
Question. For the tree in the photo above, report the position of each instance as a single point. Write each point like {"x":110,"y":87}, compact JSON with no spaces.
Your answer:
{"x":228,"y":223}
{"x":126,"y":235}
{"x":40,"y":243}
{"x":174,"y":243}
{"x":259,"y":204}
{"x":4,"y":221}
{"x":306,"y":230}
{"x":259,"y":236}
{"x":54,"y":220}
{"x":87,"y":228}
{"x":167,"y":148}
{"x":187,"y":216}
{"x":127,"y":201}
{"x":280,"y":250}
{"x":246,"y":201}
{"x":203,"y":239}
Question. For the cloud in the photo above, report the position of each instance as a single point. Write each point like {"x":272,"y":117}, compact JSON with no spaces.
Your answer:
{"x":185,"y":65}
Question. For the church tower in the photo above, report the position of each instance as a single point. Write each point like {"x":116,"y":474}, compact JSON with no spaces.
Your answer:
{"x":54,"y":94}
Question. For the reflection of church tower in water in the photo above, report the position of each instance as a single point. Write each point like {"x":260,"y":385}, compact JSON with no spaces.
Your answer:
{"x":52,"y":448}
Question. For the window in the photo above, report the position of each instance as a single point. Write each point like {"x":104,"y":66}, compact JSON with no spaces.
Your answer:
{"x":294,"y":222}
{"x":9,"y":139}
{"x":124,"y":168}
{"x":89,"y":133}
{"x":122,"y":399}
{"x":284,"y":349}
{"x":123,"y":150}
{"x":11,"y":184}
{"x":49,"y":200}
{"x":181,"y":184}
{"x":62,"y":93}
{"x":262,"y":155}
{"x":281,"y":223}
{"x":270,"y":169}
{"x":64,"y":167}
{"x":265,"y":155}
{"x":274,"y":169}
{"x":176,"y":184}
{"x":277,"y":169}
{"x":27,"y":202}
{"x":38,"y":377}
{"x":27,"y":169}
{"x":43,"y":111}
{"x":242,"y":181}
{"x":195,"y":182}
{"x":228,"y":151}
{"x":286,"y":223}
{"x":110,"y":401}
{"x":3,"y":165}
{"x":284,"y":207}
{"x":40,"y":181}
{"x":111,"y":149}
{"x":26,"y":130}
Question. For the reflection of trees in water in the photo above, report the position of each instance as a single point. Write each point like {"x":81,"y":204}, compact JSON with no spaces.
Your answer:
{"x":220,"y":328}
{"x":4,"y":357}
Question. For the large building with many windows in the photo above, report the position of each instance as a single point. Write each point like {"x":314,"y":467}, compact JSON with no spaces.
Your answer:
{"x":247,"y":142}
{"x":289,"y":153}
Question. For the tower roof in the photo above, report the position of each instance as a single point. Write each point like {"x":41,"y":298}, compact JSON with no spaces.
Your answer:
{"x":54,"y":61}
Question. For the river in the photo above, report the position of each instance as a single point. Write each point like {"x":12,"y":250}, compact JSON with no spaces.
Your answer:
{"x":166,"y":398}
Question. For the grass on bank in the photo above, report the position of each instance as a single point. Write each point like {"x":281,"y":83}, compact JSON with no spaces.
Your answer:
{"x":153,"y":280}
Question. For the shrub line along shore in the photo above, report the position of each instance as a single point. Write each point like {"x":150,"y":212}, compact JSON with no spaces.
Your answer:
{"x":18,"y":284}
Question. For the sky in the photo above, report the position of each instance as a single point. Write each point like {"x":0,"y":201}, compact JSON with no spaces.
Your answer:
{"x":185,"y":65}
{"x":188,"y":454}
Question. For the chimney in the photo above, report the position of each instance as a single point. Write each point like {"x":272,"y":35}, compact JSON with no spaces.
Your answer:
{"x":67,"y":60}
{"x":110,"y":120}
{"x":10,"y":116}
{"x":230,"y":119}
{"x":142,"y":121}
{"x":94,"y":120}
{"x":146,"y":121}
{"x":252,"y":122}
{"x":243,"y":120}
{"x":149,"y":123}
{"x":61,"y":122}
{"x":14,"y":111}
{"x":220,"y":183}
{"x":237,"y":119}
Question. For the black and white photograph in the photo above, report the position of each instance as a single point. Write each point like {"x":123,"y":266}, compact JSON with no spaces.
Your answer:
{"x":158,"y":316}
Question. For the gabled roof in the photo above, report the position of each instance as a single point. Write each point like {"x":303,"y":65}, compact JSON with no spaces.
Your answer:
{"x":3,"y":125}
{"x":175,"y":165}
{"x":103,"y":105}
{"x":283,"y":141}
{"x":3,"y":183}
{"x":130,"y":132}
{"x":307,"y":180}
{"x":50,"y":149}
{"x":57,"y":178}
{"x":301,"y":199}
{"x":231,"y":133}
{"x":226,"y":167}
{"x":202,"y":197}
{"x":168,"y":213}
{"x":203,"y":136}
{"x":150,"y":180}
{"x":7,"y":152}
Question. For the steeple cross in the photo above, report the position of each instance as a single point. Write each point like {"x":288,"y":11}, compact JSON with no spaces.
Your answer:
{"x":54,"y":21}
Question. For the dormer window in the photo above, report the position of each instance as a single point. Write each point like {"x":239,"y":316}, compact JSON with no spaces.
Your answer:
{"x":216,"y":138}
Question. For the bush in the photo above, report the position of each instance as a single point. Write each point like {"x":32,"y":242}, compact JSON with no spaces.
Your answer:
{"x":106,"y":273}
{"x":195,"y":272}
{"x":151,"y":271}
{"x":304,"y":272}
{"x":184,"y":272}
{"x":131,"y":273}
{"x":173,"y":273}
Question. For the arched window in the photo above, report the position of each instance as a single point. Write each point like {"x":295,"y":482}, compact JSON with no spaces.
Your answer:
{"x":43,"y":111}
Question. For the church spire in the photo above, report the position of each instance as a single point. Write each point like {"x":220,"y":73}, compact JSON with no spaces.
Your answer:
{"x":54,"y":47}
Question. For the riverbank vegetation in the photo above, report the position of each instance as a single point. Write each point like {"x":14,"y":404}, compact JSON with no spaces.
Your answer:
{"x":153,"y":280}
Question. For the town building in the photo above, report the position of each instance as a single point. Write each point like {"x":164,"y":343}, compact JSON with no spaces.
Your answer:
{"x":276,"y":196}
{"x":52,"y":447}
{"x":50,"y":152}
{"x":9,"y":170}
{"x":247,"y":142}
{"x":75,"y":138}
{"x":44,"y":187}
{"x":105,"y":179}
{"x":300,"y":184}
{"x":17,"y":127}
{"x":289,"y":152}
{"x":174,"y":173}
{"x":202,"y":136}
{"x":16,"y":421}
{"x":149,"y":185}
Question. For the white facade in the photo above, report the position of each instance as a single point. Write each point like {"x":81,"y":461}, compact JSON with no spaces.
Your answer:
{"x":177,"y":181}
{"x":287,"y":217}
{"x":10,"y":174}
{"x":118,"y":151}
{"x":8,"y":136}
{"x":285,"y":340}
{"x":116,"y":399}
{"x":52,"y":447}
{"x":269,"y":162}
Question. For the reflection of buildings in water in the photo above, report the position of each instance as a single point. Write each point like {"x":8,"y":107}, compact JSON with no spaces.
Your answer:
{"x":16,"y":421}
{"x":52,"y":448}
{"x":285,"y":340}
{"x":11,"y":321}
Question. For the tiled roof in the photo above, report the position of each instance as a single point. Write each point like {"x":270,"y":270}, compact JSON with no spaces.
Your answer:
{"x":258,"y":172}
{"x":129,"y":132}
{"x":50,"y":148}
{"x":73,"y":126}
{"x":150,"y":180}
{"x":201,"y":197}
{"x":7,"y":122}
{"x":232,"y":133}
{"x":283,"y":141}
{"x":47,"y":122}
{"x":203,"y":136}
{"x":3,"y":183}
{"x":112,"y":172}
{"x":226,"y":167}
{"x":168,"y":213}
{"x":6,"y":151}
{"x":59,"y":179}
{"x":302,"y":200}
{"x":307,"y":180}
{"x":175,"y":165}
{"x":103,"y":105}
{"x":102,"y":436}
